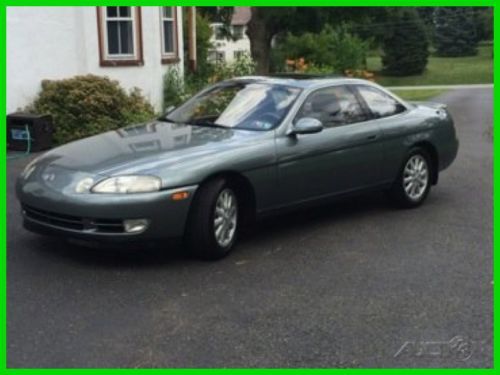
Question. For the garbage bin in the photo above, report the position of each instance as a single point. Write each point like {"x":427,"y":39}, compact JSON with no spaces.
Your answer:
{"x":29,"y":132}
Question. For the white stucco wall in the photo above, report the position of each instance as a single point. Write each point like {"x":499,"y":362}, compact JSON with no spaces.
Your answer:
{"x":60,"y":42}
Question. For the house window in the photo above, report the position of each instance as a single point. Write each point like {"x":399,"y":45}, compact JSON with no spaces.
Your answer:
{"x":120,"y":36}
{"x":219,"y":57}
{"x":239,"y":54}
{"x":238,"y":32}
{"x":168,"y":35}
{"x":219,"y":32}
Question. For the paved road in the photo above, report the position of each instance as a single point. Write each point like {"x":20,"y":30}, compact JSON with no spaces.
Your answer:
{"x":346,"y":285}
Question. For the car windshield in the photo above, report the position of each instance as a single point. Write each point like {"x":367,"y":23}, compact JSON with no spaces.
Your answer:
{"x":242,"y":105}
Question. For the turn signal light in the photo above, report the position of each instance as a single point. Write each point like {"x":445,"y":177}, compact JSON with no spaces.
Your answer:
{"x":180,"y":195}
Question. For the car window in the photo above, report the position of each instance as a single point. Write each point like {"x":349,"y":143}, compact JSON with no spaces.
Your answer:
{"x":333,"y":106}
{"x":242,"y":105}
{"x":380,"y":103}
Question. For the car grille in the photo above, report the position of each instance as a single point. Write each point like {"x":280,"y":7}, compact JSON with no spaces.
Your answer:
{"x":74,"y":222}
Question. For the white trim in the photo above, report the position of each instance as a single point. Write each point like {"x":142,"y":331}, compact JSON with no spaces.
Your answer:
{"x":135,"y":36}
{"x":173,"y":19}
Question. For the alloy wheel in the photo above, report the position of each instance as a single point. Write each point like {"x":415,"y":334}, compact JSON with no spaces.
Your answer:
{"x":225,"y":217}
{"x":415,"y":177}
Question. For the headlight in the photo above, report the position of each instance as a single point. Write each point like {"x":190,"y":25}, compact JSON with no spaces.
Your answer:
{"x":128,"y":184}
{"x":30,"y":168}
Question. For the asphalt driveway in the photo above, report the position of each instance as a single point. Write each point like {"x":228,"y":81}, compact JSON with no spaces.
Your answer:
{"x":352,"y":284}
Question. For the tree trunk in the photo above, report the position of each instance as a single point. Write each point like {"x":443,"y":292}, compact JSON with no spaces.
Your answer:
{"x":260,"y":40}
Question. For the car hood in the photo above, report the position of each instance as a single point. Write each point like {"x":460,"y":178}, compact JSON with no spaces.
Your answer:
{"x":145,"y":148}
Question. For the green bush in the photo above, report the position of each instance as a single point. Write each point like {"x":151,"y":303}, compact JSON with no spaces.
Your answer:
{"x":242,"y":66}
{"x":334,"y":48}
{"x":173,"y":88}
{"x":405,"y":47}
{"x":86,"y":105}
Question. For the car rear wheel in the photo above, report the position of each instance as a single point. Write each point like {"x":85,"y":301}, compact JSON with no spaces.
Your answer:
{"x":213,"y":221}
{"x":414,"y":180}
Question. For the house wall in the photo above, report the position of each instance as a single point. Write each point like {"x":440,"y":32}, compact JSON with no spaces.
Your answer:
{"x":229,"y":46}
{"x":60,"y":42}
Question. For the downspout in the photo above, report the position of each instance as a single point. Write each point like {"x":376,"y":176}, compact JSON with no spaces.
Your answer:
{"x":192,"y":39}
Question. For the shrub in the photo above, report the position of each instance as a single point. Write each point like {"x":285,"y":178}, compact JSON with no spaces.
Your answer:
{"x":405,"y":47}
{"x":242,"y":66}
{"x":337,"y":49}
{"x":86,"y":105}
{"x":173,"y":88}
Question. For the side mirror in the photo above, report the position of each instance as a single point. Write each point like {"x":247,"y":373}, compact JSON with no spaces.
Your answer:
{"x":307,"y":125}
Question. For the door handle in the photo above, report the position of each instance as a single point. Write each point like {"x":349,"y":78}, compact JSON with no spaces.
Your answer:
{"x":372,"y":137}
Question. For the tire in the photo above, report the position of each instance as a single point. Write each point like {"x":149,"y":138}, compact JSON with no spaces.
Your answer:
{"x":205,"y":237}
{"x":411,"y":187}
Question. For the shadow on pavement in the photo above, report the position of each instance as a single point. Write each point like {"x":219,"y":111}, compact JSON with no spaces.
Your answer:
{"x":172,"y":252}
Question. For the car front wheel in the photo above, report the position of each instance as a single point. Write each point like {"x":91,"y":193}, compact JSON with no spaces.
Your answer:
{"x":413,"y":183}
{"x":213,"y":223}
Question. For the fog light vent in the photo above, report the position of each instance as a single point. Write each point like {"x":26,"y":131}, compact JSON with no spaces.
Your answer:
{"x":135,"y":225}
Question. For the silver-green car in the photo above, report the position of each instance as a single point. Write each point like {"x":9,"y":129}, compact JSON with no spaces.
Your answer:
{"x":238,"y":150}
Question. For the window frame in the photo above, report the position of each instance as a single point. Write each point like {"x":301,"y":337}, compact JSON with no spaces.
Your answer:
{"x":355,"y":89}
{"x":238,"y":27}
{"x":169,"y":57}
{"x":218,"y":53}
{"x":362,"y":105}
{"x":217,"y":33}
{"x":107,"y":60}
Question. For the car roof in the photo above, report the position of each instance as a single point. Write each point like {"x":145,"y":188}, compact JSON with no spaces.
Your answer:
{"x":301,"y":81}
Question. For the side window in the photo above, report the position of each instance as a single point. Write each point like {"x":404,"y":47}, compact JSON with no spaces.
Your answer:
{"x":168,"y":34}
{"x":380,"y":104}
{"x":333,"y":106}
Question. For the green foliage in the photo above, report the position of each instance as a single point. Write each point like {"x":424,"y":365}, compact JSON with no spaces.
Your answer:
{"x":484,"y":23}
{"x":173,"y":88}
{"x":203,"y":44}
{"x":319,"y":69}
{"x":405,"y":46}
{"x":332,"y":50}
{"x":455,"y":31}
{"x":176,"y":90}
{"x":242,"y":66}
{"x":82,"y":106}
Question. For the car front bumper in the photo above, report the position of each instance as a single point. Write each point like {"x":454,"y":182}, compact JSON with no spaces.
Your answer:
{"x":99,"y":217}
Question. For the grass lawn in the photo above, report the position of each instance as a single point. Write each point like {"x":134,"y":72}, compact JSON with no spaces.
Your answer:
{"x":418,"y":95}
{"x":443,"y":70}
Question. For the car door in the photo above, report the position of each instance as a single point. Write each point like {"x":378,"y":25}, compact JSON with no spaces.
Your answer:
{"x":395,"y":122}
{"x":343,"y":157}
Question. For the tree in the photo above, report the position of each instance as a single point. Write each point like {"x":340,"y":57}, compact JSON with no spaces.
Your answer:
{"x":484,"y":23}
{"x":405,"y":45}
{"x":455,"y":31}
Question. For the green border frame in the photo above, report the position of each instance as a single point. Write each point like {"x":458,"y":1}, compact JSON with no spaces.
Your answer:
{"x":3,"y":187}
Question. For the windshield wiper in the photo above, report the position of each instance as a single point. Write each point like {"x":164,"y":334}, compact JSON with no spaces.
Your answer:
{"x":206,"y":123}
{"x":199,"y":122}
